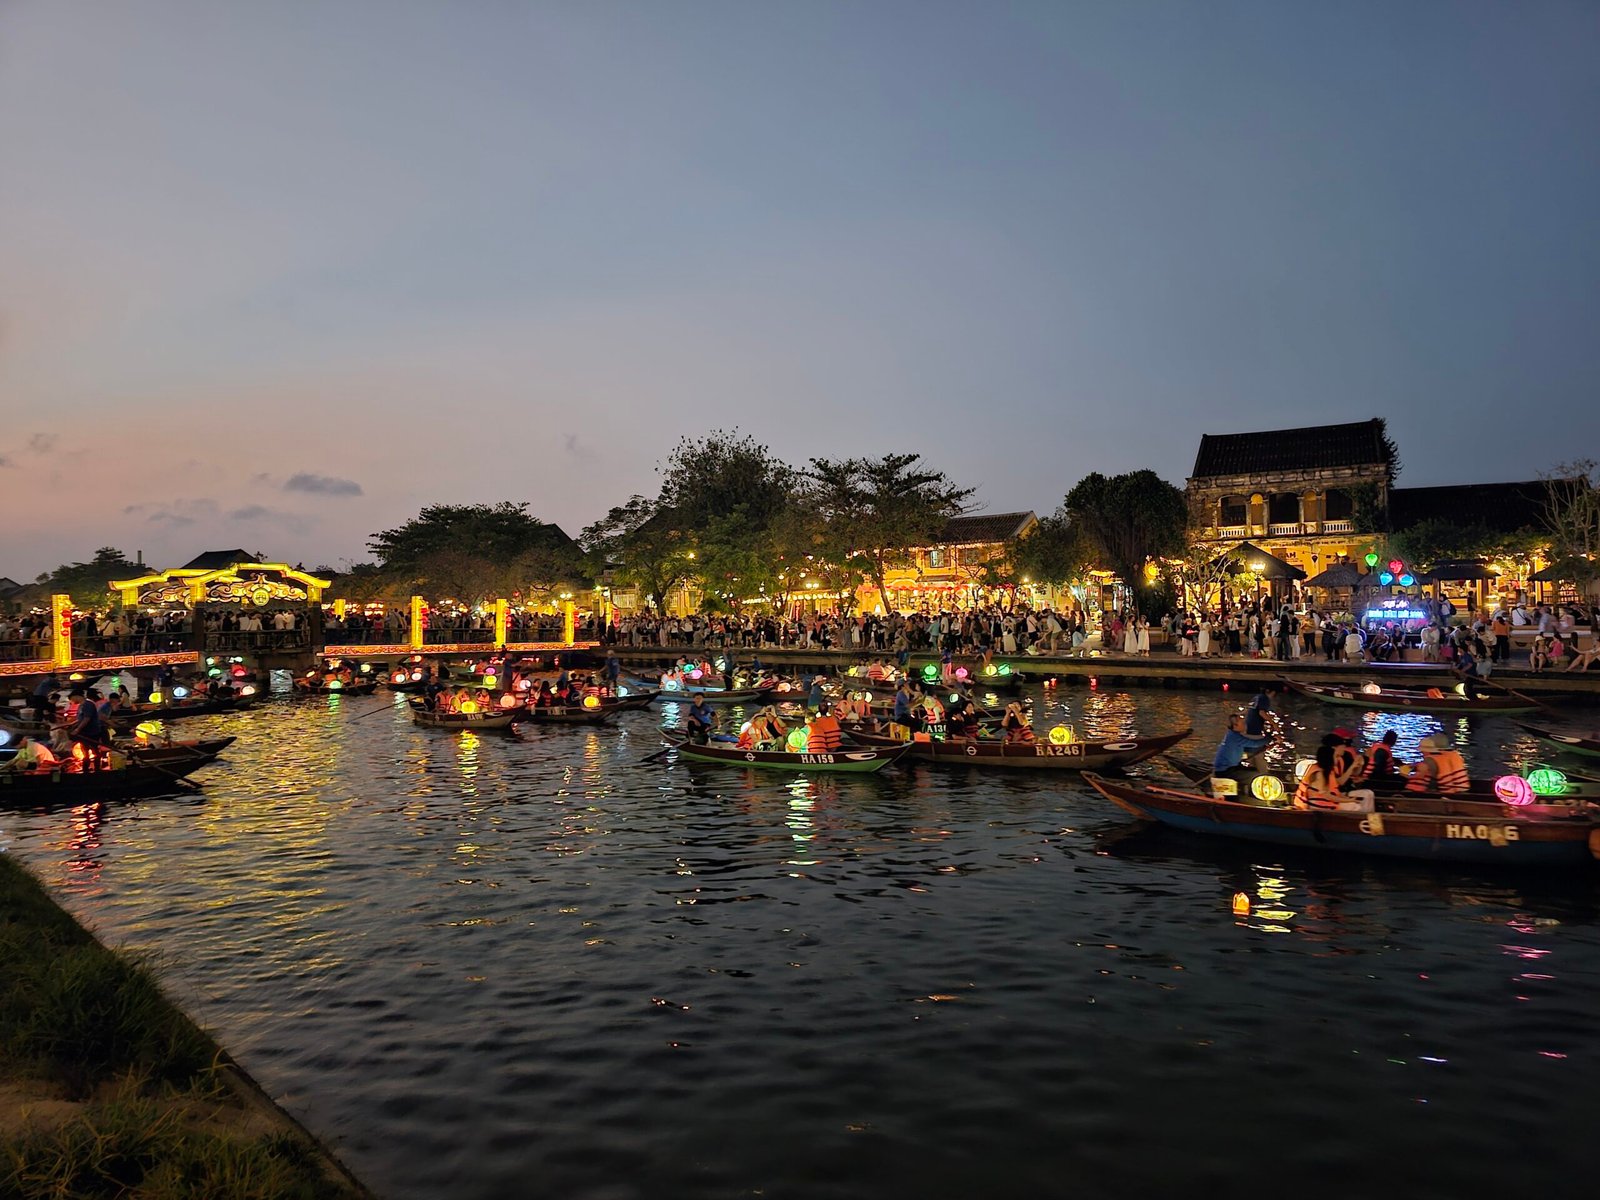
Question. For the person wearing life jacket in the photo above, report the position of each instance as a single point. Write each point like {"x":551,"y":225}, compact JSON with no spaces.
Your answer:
{"x":1441,"y":770}
{"x":825,"y":735}
{"x":768,"y":729}
{"x":875,"y":672}
{"x":1348,"y":762}
{"x":1016,"y":726}
{"x":1319,"y":784}
{"x":1380,"y":773}
{"x":932,"y":710}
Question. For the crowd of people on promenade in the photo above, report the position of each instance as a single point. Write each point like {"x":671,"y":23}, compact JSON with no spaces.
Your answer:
{"x":970,"y":631}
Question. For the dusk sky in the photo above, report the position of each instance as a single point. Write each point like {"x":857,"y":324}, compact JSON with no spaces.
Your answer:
{"x":275,"y":275}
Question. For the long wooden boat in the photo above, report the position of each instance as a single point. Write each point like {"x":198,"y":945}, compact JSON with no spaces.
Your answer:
{"x":634,"y":701}
{"x":356,"y":687}
{"x":177,"y":710}
{"x":563,"y":715}
{"x":166,"y":752}
{"x":1105,"y":754}
{"x":1569,"y":742}
{"x":999,"y":684}
{"x":714,"y":695}
{"x":1392,"y":699}
{"x":1505,"y":840}
{"x":74,"y":787}
{"x":1479,"y":791}
{"x":860,"y":760}
{"x":498,"y":719}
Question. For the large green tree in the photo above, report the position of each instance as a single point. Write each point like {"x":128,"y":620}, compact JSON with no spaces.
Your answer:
{"x":1572,"y":522}
{"x":1130,"y":520}
{"x":1053,"y":552}
{"x":643,"y":544}
{"x":477,"y":552}
{"x":879,"y":510}
{"x":89,"y":583}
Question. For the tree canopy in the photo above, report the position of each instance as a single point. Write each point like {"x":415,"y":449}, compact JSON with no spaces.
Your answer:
{"x":476,"y":552}
{"x":1129,"y":520}
{"x":89,"y":583}
{"x":1572,"y":519}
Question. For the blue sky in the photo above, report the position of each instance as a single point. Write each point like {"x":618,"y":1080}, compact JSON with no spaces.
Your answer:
{"x":473,"y":251}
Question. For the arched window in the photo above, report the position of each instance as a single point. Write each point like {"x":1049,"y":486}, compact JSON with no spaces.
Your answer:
{"x":1283,"y":508}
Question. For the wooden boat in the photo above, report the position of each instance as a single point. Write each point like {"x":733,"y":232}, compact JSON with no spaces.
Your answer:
{"x":1479,"y":791}
{"x":1108,"y":754}
{"x":573,"y":714}
{"x":165,"y":751}
{"x":74,"y":787}
{"x":634,"y":701}
{"x":177,"y":710}
{"x":1569,"y":742}
{"x":1392,"y":699}
{"x":334,"y":687}
{"x":860,"y":760}
{"x":713,"y":695}
{"x":1506,"y":839}
{"x":502,"y":718}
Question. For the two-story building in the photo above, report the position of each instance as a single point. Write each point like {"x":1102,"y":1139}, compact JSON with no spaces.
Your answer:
{"x":955,"y":571}
{"x":1309,"y":496}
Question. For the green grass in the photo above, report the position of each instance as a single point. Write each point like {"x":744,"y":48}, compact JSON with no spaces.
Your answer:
{"x":95,"y":1024}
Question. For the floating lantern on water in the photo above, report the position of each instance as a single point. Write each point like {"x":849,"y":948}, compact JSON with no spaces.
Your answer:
{"x":1513,"y":790}
{"x":1370,"y":689}
{"x":591,"y":701}
{"x":1547,"y":781}
{"x":1267,"y":788}
{"x":1241,"y":904}
{"x":1093,"y":682}
{"x":1061,"y":735}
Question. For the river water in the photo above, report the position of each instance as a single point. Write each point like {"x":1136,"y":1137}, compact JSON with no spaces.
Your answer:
{"x":484,"y":967}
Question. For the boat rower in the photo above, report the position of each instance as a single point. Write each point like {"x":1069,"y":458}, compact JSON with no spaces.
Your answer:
{"x":701,"y":721}
{"x":1235,"y":745}
{"x":1441,"y":770}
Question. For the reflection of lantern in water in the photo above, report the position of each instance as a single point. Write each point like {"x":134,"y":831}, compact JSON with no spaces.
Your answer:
{"x":1267,"y":788}
{"x":1547,"y":781}
{"x":1513,"y":790}
{"x":1061,"y":735}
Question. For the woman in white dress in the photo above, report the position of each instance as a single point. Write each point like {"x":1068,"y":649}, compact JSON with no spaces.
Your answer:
{"x":1203,"y":648}
{"x":1130,"y":635}
{"x":1144,"y":638}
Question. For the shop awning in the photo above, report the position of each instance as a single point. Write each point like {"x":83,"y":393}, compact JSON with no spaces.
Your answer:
{"x":1247,"y":556}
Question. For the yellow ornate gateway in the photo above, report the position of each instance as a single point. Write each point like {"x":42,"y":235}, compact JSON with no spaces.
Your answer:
{"x":250,"y":584}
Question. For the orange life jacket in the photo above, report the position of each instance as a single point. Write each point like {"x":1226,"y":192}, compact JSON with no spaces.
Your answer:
{"x":1448,"y":776}
{"x":1316,"y":790}
{"x":825,"y":736}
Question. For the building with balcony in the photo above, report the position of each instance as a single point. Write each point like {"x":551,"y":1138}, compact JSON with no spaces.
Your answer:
{"x":1312,"y":496}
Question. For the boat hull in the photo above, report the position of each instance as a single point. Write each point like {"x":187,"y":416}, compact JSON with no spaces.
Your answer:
{"x":1566,"y":741}
{"x":1397,"y":701}
{"x":856,"y":760}
{"x":1447,"y":838}
{"x":1042,"y":755}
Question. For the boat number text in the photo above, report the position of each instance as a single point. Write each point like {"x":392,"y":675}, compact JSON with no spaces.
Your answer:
{"x":1051,"y":750}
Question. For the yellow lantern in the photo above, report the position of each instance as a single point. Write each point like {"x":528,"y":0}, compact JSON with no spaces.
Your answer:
{"x":1061,"y":735}
{"x":591,"y":701}
{"x":1267,"y":788}
{"x":155,"y":697}
{"x":1241,"y":904}
{"x":469,"y":706}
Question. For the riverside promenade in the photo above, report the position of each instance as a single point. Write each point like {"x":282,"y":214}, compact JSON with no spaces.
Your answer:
{"x":1163,"y":668}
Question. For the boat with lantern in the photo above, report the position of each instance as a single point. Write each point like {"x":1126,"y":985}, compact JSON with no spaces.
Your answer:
{"x":1000,"y":679}
{"x":1061,"y":750}
{"x":851,"y":759}
{"x":566,"y":714}
{"x":1569,"y":742}
{"x":714,"y":695}
{"x":344,"y":682}
{"x":66,"y":785}
{"x":1501,"y":836}
{"x":172,"y":707}
{"x":488,"y":718}
{"x":1547,"y":788}
{"x":1375,"y":697}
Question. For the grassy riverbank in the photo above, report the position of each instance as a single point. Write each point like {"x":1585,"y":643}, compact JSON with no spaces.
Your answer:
{"x":108,"y":1090}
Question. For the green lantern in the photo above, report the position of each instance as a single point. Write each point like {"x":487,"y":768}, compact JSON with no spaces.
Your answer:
{"x":1372,"y":558}
{"x":1547,"y":781}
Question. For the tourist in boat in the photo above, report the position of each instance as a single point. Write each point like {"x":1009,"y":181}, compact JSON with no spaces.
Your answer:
{"x":961,"y":720}
{"x":1236,"y":744}
{"x":932,"y":710}
{"x":1015,"y":726}
{"x":1348,"y":762}
{"x":1441,"y":770}
{"x":1380,"y":773}
{"x":88,"y":729}
{"x":32,"y":755}
{"x":816,"y":699}
{"x":824,"y":734}
{"x":1320,"y":788}
{"x":701,"y":721}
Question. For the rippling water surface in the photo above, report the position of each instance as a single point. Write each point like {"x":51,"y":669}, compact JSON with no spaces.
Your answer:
{"x":483,"y":967}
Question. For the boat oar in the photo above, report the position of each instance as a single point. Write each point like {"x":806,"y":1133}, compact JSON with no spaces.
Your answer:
{"x":659,"y":754}
{"x":1525,"y":698}
{"x":371,"y":712}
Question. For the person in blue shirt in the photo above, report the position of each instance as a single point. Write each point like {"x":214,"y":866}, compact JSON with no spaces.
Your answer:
{"x":902,"y":704}
{"x":613,"y":669}
{"x":816,"y":701}
{"x":1236,"y":743}
{"x":1255,"y":719}
{"x":701,"y":721}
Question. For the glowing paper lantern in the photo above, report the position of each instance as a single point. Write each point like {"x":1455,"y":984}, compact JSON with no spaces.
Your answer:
{"x":75,"y":677}
{"x":954,"y":696}
{"x":1396,"y":565}
{"x":248,"y":689}
{"x":1005,"y":668}
{"x":1513,"y":790}
{"x":1547,"y":781}
{"x":622,"y":691}
{"x":797,"y":739}
{"x":508,"y":701}
{"x":416,"y":677}
{"x":490,"y":679}
{"x":334,"y":685}
{"x":1304,"y":765}
{"x":930,"y":672}
{"x":671,"y":685}
{"x":399,"y":677}
{"x":1267,"y":788}
{"x":211,"y":662}
{"x":1371,"y":689}
{"x":239,"y":671}
{"x":1407,"y":579}
{"x":155,"y":697}
{"x":697,"y":673}
{"x":1371,"y":559}
{"x":178,"y":693}
{"x":591,"y":701}
{"x":469,"y":706}
{"x":145,"y":730}
{"x":1241,"y":904}
{"x":991,"y":669}
{"x":961,"y":672}
{"x":1385,"y":578}
{"x":215,"y":672}
{"x":365,"y":667}
{"x":1061,"y":735}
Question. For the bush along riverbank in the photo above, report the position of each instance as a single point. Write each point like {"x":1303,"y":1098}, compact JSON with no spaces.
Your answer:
{"x":108,"y":1090}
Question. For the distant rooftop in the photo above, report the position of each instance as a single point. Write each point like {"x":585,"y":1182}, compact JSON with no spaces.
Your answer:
{"x":985,"y":527}
{"x":213,"y":560}
{"x":1315,"y":447}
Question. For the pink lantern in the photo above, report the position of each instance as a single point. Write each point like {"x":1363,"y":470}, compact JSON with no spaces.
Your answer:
{"x":696,"y":673}
{"x":961,"y":672}
{"x":1513,"y":790}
